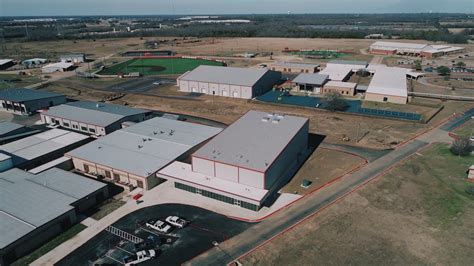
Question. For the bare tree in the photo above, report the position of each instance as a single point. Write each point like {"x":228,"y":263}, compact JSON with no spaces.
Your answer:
{"x":461,"y":146}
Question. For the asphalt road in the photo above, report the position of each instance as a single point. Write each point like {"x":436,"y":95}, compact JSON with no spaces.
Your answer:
{"x":271,"y":227}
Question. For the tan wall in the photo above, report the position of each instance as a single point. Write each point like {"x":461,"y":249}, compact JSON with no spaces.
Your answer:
{"x":340,"y":90}
{"x":380,"y":98}
{"x":292,"y":69}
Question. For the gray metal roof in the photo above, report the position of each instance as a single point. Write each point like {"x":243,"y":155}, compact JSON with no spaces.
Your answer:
{"x":99,"y":114}
{"x":252,"y":143}
{"x":29,"y":201}
{"x":146,"y":147}
{"x":225,"y":75}
{"x":7,"y":127}
{"x":35,"y":146}
{"x":24,"y":95}
{"x":348,"y":62}
{"x":310,"y":78}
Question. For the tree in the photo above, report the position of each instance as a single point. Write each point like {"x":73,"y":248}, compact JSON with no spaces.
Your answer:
{"x":461,"y":146}
{"x":334,"y":102}
{"x":443,"y":70}
{"x":460,"y":64}
{"x":418,"y":65}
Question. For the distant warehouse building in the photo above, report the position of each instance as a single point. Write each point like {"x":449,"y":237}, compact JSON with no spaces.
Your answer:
{"x":413,"y":49}
{"x":341,"y":70}
{"x":34,"y":62}
{"x":6,"y":63}
{"x":36,"y":208}
{"x":73,"y":58}
{"x":244,"y":83}
{"x":57,"y":67}
{"x":130,"y":157}
{"x":246,"y":162}
{"x":293,"y":67}
{"x":26,"y":102}
{"x":93,"y":117}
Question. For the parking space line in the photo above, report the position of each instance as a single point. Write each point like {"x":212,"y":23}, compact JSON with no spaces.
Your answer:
{"x":110,"y":257}
{"x":124,"y":250}
{"x":208,"y":230}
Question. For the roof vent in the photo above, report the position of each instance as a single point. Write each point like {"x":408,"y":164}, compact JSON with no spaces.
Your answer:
{"x":265,"y":119}
{"x":155,"y":133}
{"x":276,"y":121}
{"x":140,"y":146}
{"x":171,"y":132}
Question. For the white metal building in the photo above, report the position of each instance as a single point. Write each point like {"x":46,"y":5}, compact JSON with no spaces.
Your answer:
{"x":93,"y":117}
{"x":73,"y":58}
{"x":26,"y":102}
{"x":40,"y":148}
{"x":246,"y":162}
{"x":6,"y":63}
{"x":413,"y":49}
{"x":130,"y":157}
{"x":388,"y":84}
{"x":245,"y":83}
{"x":36,"y":208}
{"x":57,"y":67}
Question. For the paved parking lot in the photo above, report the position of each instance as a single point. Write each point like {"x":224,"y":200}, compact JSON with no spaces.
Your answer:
{"x":184,"y":244}
{"x":140,"y":84}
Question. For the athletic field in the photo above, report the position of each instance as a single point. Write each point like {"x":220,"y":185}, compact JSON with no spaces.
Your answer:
{"x":157,"y":66}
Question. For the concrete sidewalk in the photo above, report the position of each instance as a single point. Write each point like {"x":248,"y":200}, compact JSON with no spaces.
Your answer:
{"x":162,"y":194}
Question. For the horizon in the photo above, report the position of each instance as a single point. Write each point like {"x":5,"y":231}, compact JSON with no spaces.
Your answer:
{"x":42,"y":8}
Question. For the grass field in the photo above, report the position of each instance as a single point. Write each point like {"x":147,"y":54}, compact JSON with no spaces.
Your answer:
{"x":416,"y":214}
{"x":158,"y":66}
{"x":16,"y":81}
{"x":36,"y":254}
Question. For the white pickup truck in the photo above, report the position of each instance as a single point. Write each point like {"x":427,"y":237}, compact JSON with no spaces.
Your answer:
{"x":176,"y":221}
{"x":139,"y":257}
{"x":159,"y":226}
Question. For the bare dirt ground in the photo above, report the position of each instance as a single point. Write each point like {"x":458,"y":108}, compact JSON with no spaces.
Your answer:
{"x":414,"y":215}
{"x":322,"y":168}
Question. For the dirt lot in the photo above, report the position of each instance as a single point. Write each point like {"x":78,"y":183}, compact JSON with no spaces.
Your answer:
{"x":323,"y":166}
{"x":453,"y":82}
{"x":416,"y":214}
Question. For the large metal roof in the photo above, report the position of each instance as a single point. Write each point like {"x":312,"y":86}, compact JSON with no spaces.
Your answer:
{"x":388,"y":80}
{"x":225,"y":75}
{"x":30,"y":201}
{"x":35,"y":146}
{"x":295,"y":64}
{"x":397,"y":45}
{"x":24,"y":95}
{"x":6,"y":127}
{"x":99,"y":114}
{"x":254,"y":141}
{"x":311,"y":78}
{"x":146,"y":147}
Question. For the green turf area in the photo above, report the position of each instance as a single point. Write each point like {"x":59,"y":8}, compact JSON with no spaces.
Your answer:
{"x":36,"y":254}
{"x":158,"y":66}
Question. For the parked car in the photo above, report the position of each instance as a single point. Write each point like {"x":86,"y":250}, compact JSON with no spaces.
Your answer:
{"x":157,"y":83}
{"x":139,"y":257}
{"x":159,"y":226}
{"x":176,"y":221}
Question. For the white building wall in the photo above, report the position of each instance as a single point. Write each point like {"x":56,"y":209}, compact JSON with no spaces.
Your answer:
{"x":183,"y":85}
{"x":204,"y":87}
{"x":193,"y":86}
{"x":246,"y":92}
{"x":213,"y":89}
{"x":224,"y":90}
{"x":227,"y":172}
{"x":235,"y":91}
{"x":251,"y":178}
{"x":202,"y":166}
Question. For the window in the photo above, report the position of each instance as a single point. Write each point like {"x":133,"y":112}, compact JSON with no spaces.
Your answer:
{"x":116,"y":177}
{"x":139,"y":184}
{"x":107,"y":174}
{"x":91,"y":130}
{"x":385,"y":99}
{"x":65,"y":124}
{"x":86,"y":168}
{"x":53,"y":121}
{"x":83,"y":128}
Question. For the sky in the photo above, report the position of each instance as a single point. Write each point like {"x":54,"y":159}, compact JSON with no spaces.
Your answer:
{"x":176,"y":7}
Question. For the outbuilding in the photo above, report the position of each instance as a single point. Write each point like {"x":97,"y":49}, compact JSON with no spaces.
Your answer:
{"x":245,"y":163}
{"x":6,"y":63}
{"x":73,"y":58}
{"x":26,"y":101}
{"x":343,"y":88}
{"x":310,"y":82}
{"x":93,"y":117}
{"x":36,"y":208}
{"x":57,"y":67}
{"x":244,"y":83}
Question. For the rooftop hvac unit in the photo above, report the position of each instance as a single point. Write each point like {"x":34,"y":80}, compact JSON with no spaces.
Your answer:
{"x":265,"y":119}
{"x":276,"y":121}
